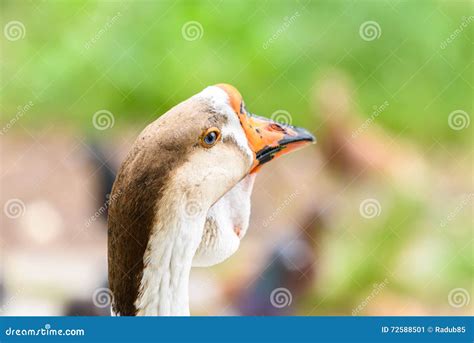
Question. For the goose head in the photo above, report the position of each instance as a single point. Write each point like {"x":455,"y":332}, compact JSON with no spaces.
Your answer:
{"x":183,"y":172}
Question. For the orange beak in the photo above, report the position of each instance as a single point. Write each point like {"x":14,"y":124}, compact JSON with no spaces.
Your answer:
{"x":267,"y":138}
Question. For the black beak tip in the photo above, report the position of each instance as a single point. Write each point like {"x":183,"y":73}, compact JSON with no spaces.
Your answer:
{"x":294,"y":135}
{"x":302,"y":135}
{"x":309,"y":136}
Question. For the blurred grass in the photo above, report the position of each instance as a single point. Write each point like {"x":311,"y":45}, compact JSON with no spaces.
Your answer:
{"x":415,"y":262}
{"x":141,"y":66}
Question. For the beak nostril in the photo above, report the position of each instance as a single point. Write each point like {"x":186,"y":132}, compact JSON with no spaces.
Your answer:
{"x":276,"y":127}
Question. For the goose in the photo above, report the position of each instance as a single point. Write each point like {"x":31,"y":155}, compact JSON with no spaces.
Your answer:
{"x":182,"y":197}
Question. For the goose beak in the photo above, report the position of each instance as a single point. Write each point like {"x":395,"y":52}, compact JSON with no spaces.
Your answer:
{"x":269,"y":139}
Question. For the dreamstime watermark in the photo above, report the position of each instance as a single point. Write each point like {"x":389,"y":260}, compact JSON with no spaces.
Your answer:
{"x":288,"y":200}
{"x":377,"y":110}
{"x":370,"y":30}
{"x":370,"y":208}
{"x":103,"y":209}
{"x":103,"y":120}
{"x":102,"y":297}
{"x":459,"y":120}
{"x":282,"y":117}
{"x":47,"y":330}
{"x":98,"y":35}
{"x":14,"y":30}
{"x":454,"y":213}
{"x":21,"y":111}
{"x":377,"y":288}
{"x":459,"y":297}
{"x":192,"y":30}
{"x":281,"y":297}
{"x":14,"y":208}
{"x":287,"y":22}
{"x":464,"y":24}
{"x":192,"y":208}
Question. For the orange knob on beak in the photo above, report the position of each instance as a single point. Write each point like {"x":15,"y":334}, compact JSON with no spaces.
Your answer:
{"x":267,"y":138}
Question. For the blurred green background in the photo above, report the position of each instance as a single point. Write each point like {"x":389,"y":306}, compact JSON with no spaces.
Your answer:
{"x":140,"y":64}
{"x":137,"y":59}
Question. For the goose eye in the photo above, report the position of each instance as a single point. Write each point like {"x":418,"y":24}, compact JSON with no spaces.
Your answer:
{"x":210,"y":137}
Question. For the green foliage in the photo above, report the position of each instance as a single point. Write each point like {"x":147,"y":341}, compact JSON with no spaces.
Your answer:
{"x":131,"y":58}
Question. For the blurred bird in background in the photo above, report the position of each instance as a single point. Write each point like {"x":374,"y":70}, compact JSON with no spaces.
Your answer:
{"x":354,"y":146}
{"x":104,"y":174}
{"x":289,"y":272}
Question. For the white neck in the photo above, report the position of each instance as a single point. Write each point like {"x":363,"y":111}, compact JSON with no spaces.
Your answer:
{"x":168,"y":260}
